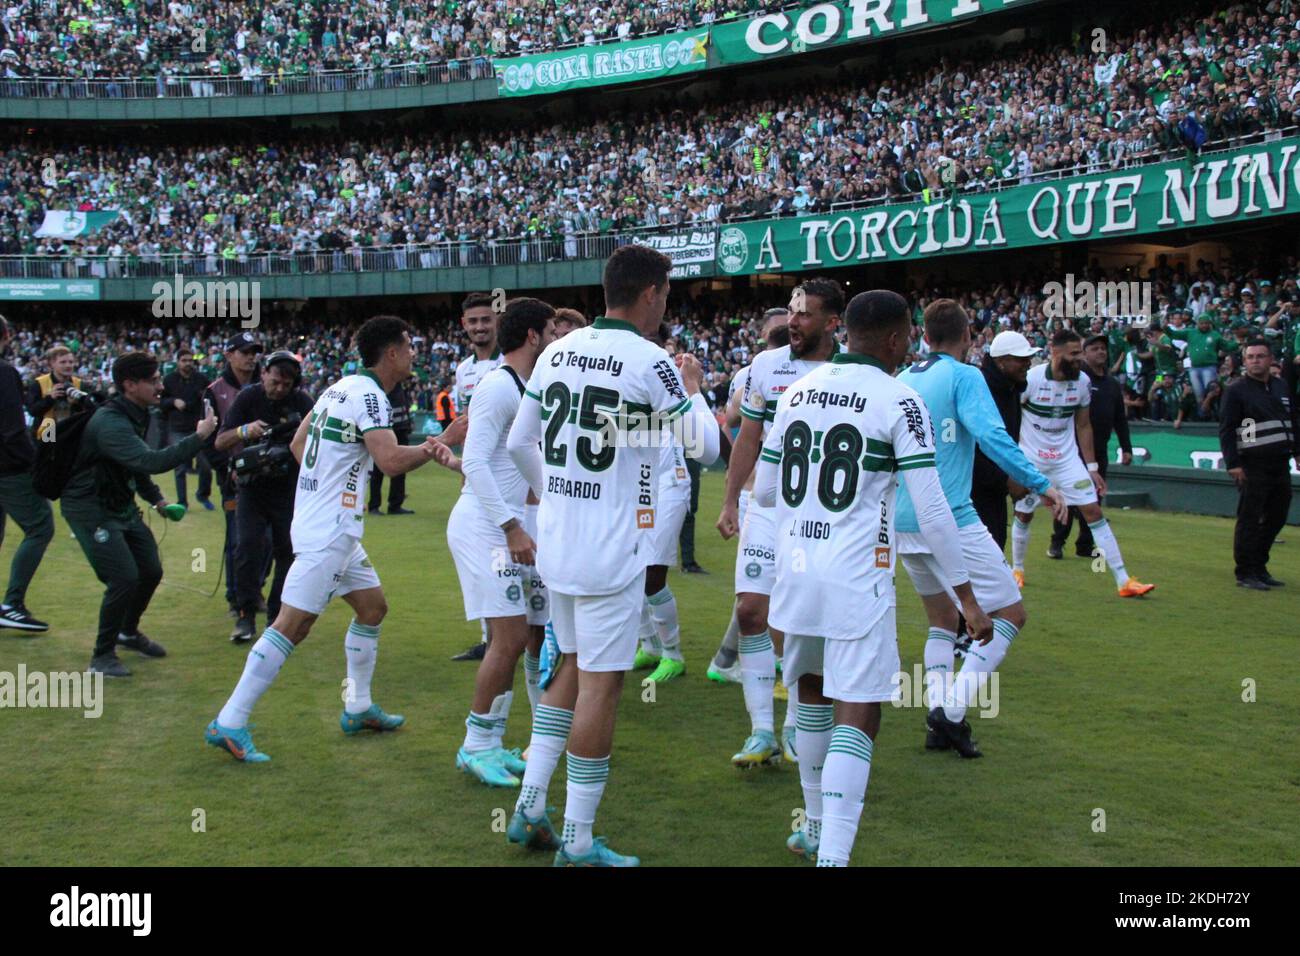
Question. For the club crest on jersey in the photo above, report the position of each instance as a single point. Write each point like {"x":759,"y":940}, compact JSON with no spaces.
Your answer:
{"x":538,"y":602}
{"x":1083,"y":483}
{"x":645,"y":517}
{"x":753,"y":569}
{"x":513,"y":592}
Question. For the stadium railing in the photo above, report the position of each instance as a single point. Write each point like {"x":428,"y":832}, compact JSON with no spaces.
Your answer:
{"x":471,"y":253}
{"x":203,"y":85}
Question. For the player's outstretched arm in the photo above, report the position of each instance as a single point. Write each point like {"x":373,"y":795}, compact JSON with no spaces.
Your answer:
{"x":394,"y":459}
{"x":979,"y":416}
{"x":744,"y":453}
{"x":454,"y":434}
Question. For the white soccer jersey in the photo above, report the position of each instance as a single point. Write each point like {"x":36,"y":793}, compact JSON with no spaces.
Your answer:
{"x":839,"y":436}
{"x":1047,"y":425}
{"x":672,"y":467}
{"x":770,"y":374}
{"x":331,"y":496}
{"x":469,"y":373}
{"x":598,"y":497}
{"x":491,"y":478}
{"x":738,"y":383}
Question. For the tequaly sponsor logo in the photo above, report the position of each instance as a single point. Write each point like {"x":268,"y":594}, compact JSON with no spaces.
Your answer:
{"x":76,"y":909}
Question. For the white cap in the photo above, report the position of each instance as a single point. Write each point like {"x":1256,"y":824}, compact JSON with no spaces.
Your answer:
{"x":1012,"y":343}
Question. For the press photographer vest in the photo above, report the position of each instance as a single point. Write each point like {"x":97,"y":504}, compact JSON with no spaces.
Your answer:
{"x":61,"y":409}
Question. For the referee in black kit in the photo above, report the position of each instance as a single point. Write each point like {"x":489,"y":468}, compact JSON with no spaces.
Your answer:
{"x":1106,"y":412}
{"x":1257,"y":438}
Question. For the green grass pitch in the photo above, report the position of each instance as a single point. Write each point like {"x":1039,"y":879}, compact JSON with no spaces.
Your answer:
{"x":1131,"y":707}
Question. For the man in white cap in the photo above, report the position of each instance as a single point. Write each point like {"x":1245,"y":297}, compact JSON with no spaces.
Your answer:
{"x":1005,"y":370}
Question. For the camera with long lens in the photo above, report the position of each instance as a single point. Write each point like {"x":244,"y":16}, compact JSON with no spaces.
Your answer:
{"x":75,"y":394}
{"x":271,"y":457}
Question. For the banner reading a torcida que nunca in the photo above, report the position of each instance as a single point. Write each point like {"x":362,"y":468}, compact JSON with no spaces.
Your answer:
{"x":1252,"y":182}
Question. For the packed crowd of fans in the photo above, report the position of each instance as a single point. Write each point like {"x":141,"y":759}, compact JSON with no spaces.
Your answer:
{"x":1199,"y":318}
{"x":276,"y":41}
{"x":319,"y":199}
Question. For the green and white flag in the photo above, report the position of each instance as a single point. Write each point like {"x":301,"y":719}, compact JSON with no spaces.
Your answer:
{"x":67,"y":223}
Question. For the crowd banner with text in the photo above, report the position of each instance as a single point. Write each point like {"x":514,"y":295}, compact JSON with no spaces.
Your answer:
{"x":691,"y":252}
{"x":653,"y":58}
{"x":822,"y":25}
{"x":1252,"y":182}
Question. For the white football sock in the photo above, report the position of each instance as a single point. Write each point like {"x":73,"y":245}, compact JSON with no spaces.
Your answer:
{"x":812,"y":736}
{"x":844,"y":788}
{"x":663,"y":611}
{"x":791,"y":708}
{"x":532,"y":677}
{"x":500,"y":713}
{"x":1105,"y":539}
{"x":550,"y":732}
{"x":758,"y":678}
{"x":939,"y":661}
{"x":726,"y":653}
{"x":587,"y":776}
{"x":1019,"y":543}
{"x":264,"y":661}
{"x":981,"y":661}
{"x":478,"y":732}
{"x":361,"y":645}
{"x":649,"y":640}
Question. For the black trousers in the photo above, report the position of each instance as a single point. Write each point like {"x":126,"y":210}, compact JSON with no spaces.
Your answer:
{"x":1061,"y":532}
{"x":124,"y":556}
{"x":992,"y":509}
{"x":204,"y":469}
{"x":686,"y":540}
{"x":396,"y":486}
{"x":260,"y":509}
{"x":1261,"y":513}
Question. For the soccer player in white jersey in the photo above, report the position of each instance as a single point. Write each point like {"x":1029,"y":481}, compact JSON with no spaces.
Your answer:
{"x":661,"y":639}
{"x":815,"y":308}
{"x":348,"y":433}
{"x":485,"y":533}
{"x":1055,"y":431}
{"x":597,"y":401}
{"x":961,"y":407}
{"x":478,"y":318}
{"x":828,"y":464}
{"x":725,"y":668}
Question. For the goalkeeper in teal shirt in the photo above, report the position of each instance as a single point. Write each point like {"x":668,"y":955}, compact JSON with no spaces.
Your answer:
{"x":962,"y":413}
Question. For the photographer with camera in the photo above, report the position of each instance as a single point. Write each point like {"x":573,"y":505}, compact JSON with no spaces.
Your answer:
{"x":241,"y":367}
{"x":58,"y":393}
{"x":256,"y":432}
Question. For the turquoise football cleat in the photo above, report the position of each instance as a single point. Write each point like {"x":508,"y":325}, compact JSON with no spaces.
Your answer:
{"x":237,"y":742}
{"x":373,"y":718}
{"x":484,"y":767}
{"x":801,"y":846}
{"x":598,"y":855}
{"x":512,"y":760}
{"x":760,"y":750}
{"x":534,"y":833}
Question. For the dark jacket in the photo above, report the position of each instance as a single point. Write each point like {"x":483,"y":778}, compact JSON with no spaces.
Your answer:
{"x":1269,"y":441}
{"x":188,"y":390}
{"x":113,"y":465}
{"x":400,"y":399}
{"x":17,"y":450}
{"x":988,"y":477}
{"x":1106,"y":412}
